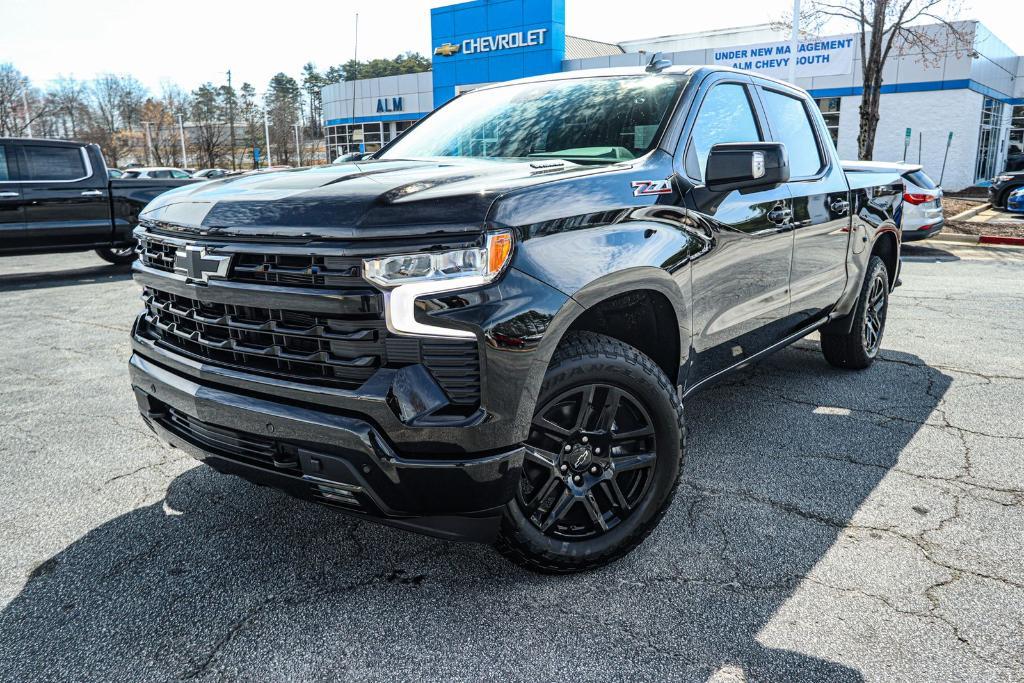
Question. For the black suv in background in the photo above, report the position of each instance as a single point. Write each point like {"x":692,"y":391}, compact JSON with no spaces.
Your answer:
{"x":1002,"y":185}
{"x":57,"y":196}
{"x":487,"y":330}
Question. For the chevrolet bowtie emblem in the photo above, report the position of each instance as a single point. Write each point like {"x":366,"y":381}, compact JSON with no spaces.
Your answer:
{"x":197,"y":263}
{"x":447,"y":50}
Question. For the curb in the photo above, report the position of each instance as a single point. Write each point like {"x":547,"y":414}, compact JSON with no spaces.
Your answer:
{"x":978,"y":240}
{"x":999,"y":239}
{"x":970,"y":213}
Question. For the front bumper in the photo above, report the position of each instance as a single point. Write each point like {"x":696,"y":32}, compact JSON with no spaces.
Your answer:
{"x":336,"y":460}
{"x":993,"y":195}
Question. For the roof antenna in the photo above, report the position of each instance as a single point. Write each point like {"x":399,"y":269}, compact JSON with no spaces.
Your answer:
{"x":658,"y":64}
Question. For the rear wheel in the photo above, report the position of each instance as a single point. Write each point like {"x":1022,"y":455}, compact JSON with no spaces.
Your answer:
{"x":602,"y":460}
{"x":858,"y":348}
{"x":117,"y":255}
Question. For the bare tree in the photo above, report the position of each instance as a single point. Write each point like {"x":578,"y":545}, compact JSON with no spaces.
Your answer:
{"x":889,"y":27}
{"x":162,"y":115}
{"x":105,"y":120}
{"x":15,"y":91}
{"x":68,"y":106}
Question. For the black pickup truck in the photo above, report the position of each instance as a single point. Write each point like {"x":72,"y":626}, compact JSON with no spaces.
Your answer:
{"x":487,"y":330}
{"x":55,"y":196}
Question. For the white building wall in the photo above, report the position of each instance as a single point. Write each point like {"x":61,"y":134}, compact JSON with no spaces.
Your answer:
{"x":931,"y":114}
{"x":416,"y":91}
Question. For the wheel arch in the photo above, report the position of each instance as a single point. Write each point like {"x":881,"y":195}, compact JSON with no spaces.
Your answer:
{"x":887,"y":247}
{"x":651,"y":297}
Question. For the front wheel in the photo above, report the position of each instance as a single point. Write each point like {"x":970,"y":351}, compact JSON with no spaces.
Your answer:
{"x":602,"y":460}
{"x":117,"y":255}
{"x":858,"y":348}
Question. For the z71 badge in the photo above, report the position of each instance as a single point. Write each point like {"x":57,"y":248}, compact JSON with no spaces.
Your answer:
{"x":643,"y":188}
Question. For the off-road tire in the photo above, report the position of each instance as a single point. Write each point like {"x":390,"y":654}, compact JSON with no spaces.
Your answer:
{"x":585,"y":358}
{"x":852,"y":351}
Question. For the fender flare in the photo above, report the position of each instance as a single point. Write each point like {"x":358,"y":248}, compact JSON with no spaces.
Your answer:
{"x":607,"y":286}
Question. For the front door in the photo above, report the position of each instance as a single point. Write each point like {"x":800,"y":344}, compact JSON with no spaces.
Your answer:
{"x":741,"y":285}
{"x":66,"y":203}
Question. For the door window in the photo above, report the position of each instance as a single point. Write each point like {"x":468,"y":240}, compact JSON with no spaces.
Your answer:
{"x":792,"y":127}
{"x":725,"y":116}
{"x":5,"y":174}
{"x":181,"y":174}
{"x":54,"y":163}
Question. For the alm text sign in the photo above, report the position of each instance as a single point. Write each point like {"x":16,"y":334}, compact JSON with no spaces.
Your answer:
{"x":825,"y":57}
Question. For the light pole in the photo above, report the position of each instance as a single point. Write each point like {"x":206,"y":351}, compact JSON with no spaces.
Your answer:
{"x":298,"y":147}
{"x":28,"y":119}
{"x":149,"y":142}
{"x":794,"y":42}
{"x":181,"y":132}
{"x":266,"y":133}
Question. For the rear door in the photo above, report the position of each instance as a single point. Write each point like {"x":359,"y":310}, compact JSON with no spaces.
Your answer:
{"x":741,"y":286}
{"x":821,"y":209}
{"x":67,"y":203}
{"x":12,"y":208}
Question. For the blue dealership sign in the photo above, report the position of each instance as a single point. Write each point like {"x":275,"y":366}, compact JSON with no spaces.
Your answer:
{"x":486,"y":41}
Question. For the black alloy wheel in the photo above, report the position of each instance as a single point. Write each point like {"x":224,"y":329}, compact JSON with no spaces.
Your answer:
{"x":602,"y":458}
{"x":858,"y":348}
{"x":874,"y":318}
{"x":589,"y":462}
{"x":117,"y":255}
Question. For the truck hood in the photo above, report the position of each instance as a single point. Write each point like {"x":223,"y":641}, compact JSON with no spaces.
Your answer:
{"x":369,"y":199}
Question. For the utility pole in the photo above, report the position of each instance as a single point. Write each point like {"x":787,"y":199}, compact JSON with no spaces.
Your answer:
{"x":181,"y":132}
{"x":298,"y":147}
{"x":355,"y":60}
{"x":266,"y":133}
{"x":231,"y":119}
{"x":794,"y":42}
{"x":28,"y":119}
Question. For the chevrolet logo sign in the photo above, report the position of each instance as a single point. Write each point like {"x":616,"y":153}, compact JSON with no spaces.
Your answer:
{"x":197,"y":263}
{"x":447,"y":50}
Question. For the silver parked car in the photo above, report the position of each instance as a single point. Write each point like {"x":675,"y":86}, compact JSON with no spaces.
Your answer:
{"x":155,"y":172}
{"x":922,"y":199}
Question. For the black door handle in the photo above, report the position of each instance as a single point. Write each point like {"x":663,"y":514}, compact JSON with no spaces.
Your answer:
{"x":780,"y":215}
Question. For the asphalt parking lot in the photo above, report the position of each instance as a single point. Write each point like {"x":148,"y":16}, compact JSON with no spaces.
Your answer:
{"x":831,"y":525}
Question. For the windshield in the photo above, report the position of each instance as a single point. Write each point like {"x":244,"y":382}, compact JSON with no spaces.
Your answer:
{"x":587,"y":120}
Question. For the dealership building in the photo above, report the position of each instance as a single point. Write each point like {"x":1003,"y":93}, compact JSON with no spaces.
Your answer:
{"x":957,"y":108}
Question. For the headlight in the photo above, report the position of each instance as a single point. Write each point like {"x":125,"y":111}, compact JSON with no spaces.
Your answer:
{"x":1002,"y":178}
{"x":408,"y":276}
{"x":479,"y":262}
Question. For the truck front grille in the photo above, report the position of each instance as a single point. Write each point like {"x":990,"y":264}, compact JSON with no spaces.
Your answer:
{"x":281,"y":270}
{"x":292,"y":344}
{"x":341,"y":349}
{"x":299,"y":271}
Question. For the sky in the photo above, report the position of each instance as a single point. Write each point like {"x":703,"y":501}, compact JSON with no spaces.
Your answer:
{"x":189,"y":42}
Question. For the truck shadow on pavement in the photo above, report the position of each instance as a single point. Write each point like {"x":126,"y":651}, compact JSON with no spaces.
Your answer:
{"x":223,"y":579}
{"x":47,"y":279}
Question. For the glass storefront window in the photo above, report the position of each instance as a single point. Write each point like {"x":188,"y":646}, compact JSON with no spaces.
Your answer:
{"x":1015,"y":145}
{"x":989,"y":139}
{"x":362,"y":137}
{"x":829,"y":107}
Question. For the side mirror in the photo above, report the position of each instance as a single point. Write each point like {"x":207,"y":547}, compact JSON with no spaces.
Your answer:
{"x":744,"y":165}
